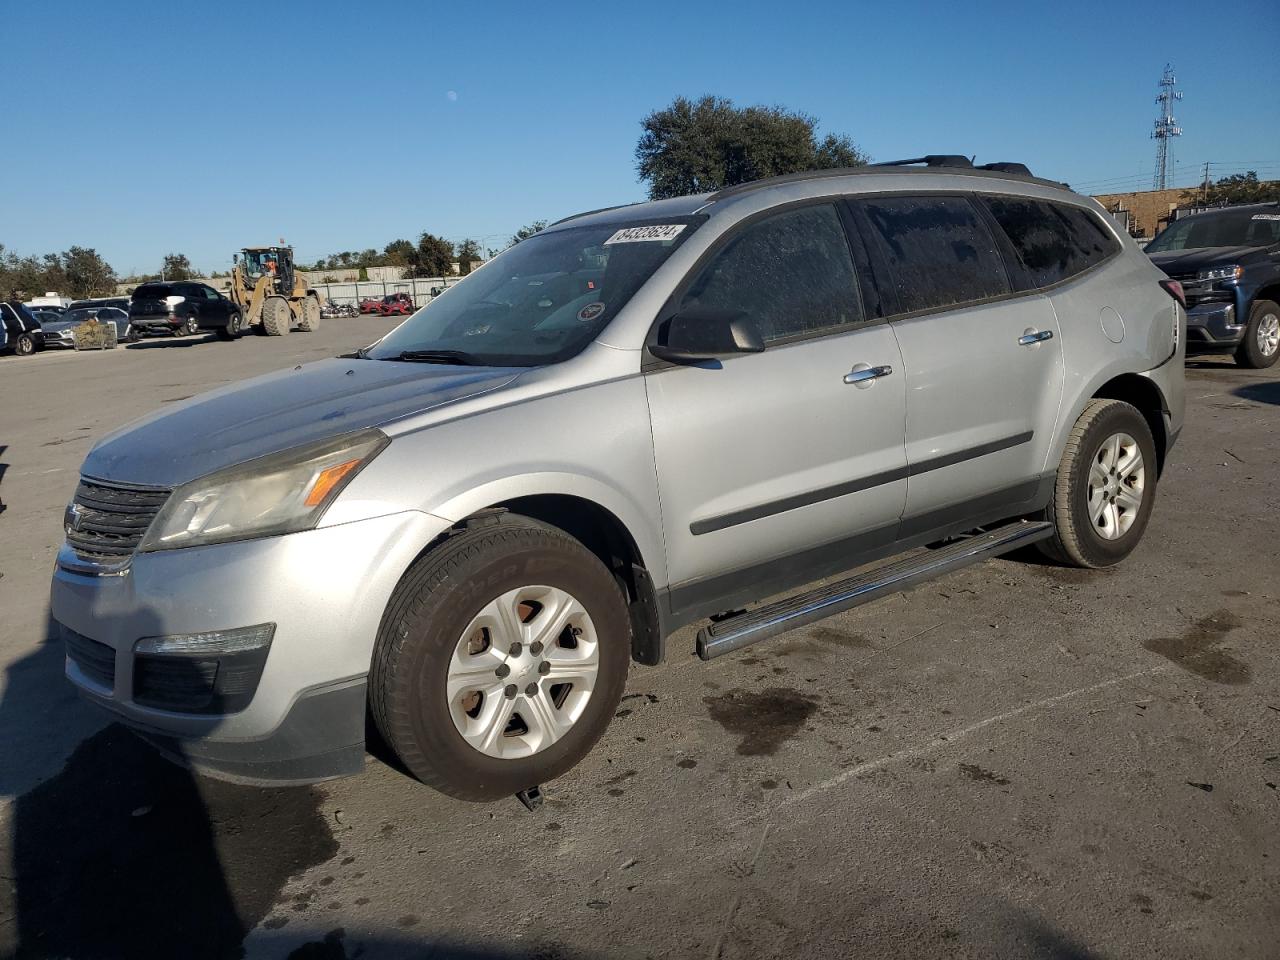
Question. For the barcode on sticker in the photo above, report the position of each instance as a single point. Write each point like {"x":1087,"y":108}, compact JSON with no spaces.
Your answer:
{"x":1266,"y":216}
{"x":668,"y":231}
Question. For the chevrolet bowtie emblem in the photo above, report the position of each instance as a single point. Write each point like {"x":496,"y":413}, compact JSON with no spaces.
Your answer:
{"x":73,"y":517}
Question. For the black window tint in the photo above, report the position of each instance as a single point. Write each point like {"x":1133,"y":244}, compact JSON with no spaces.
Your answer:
{"x":936,"y":251}
{"x":791,"y":274}
{"x":1038,"y":235}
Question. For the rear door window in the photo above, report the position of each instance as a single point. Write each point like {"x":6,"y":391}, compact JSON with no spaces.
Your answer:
{"x":791,"y":273}
{"x":930,"y":252}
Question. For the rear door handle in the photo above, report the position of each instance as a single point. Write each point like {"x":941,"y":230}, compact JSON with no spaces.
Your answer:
{"x":1034,"y":336}
{"x":864,"y":374}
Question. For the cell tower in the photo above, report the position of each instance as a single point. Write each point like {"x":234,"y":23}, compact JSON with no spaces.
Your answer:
{"x":1166,"y":128}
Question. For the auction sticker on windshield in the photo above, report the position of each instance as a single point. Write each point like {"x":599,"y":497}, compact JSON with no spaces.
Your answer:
{"x":637,"y":234}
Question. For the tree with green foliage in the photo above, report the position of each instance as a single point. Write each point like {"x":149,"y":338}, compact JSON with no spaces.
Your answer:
{"x":77,"y":272}
{"x":695,"y":146}
{"x":399,"y":253}
{"x":527,"y":231}
{"x":1236,"y":188}
{"x":177,"y":267}
{"x":468,"y":254}
{"x":435,"y":257}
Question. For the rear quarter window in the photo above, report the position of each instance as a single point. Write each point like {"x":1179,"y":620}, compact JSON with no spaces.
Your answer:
{"x":1053,"y":241}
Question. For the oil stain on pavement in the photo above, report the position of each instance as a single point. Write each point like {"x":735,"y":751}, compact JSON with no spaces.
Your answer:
{"x":764,"y":720}
{"x":124,"y":854}
{"x":1199,"y":649}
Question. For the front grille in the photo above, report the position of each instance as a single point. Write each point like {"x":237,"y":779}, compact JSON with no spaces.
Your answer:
{"x":96,"y":660}
{"x":105,"y":523}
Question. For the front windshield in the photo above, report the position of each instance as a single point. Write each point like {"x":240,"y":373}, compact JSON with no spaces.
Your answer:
{"x":1237,"y":228}
{"x":542,"y":300}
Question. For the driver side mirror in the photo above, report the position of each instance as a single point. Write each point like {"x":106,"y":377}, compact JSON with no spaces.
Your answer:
{"x":703,"y":334}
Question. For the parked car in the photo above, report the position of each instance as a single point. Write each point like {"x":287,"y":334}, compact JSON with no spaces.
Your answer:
{"x":1228,"y":263}
{"x":637,"y":419}
{"x":50,"y":301}
{"x":370,"y":304}
{"x":396,"y":304}
{"x":184,"y":308}
{"x":120,"y":303}
{"x":20,"y":331}
{"x":60,"y":332}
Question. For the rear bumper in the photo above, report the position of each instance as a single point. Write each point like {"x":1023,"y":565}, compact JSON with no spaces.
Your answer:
{"x":1213,"y":326}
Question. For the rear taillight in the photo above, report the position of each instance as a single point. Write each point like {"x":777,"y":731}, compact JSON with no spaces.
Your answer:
{"x":1174,"y":289}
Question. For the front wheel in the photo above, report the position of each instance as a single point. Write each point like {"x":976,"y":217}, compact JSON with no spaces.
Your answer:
{"x":233,"y":328}
{"x":500,"y":659}
{"x":1261,"y":345}
{"x":25,"y":345}
{"x":1105,"y":489}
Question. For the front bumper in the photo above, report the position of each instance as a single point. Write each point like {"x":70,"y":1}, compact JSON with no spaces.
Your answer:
{"x":325,"y":590}
{"x":1213,"y":325}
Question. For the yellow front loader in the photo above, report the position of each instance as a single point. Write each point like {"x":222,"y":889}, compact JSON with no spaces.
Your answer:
{"x":270,"y":294}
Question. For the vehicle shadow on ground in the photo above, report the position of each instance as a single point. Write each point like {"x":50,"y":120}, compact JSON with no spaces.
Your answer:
{"x":124,"y":854}
{"x":1268,"y":391}
{"x":169,"y":343}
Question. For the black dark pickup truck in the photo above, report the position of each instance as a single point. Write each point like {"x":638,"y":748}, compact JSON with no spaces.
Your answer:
{"x":1228,"y":262}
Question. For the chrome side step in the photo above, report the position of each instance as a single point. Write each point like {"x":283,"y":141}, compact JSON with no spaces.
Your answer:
{"x":768,"y":621}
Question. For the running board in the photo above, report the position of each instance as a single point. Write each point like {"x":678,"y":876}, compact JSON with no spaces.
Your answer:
{"x":768,"y":621}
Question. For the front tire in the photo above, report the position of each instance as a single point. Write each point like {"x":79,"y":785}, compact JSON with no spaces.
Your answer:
{"x":277,"y":318}
{"x":25,"y":345}
{"x":1105,"y":489}
{"x":500,"y":659}
{"x":1261,"y":345}
{"x":233,"y":328}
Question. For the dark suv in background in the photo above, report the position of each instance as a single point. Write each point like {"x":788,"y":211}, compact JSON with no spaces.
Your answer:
{"x":1228,"y":262}
{"x":183,"y":308}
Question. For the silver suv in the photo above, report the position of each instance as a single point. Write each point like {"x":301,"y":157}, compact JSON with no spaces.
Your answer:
{"x":640,"y":418}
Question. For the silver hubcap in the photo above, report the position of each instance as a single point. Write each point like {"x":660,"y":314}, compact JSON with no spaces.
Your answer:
{"x":1269,"y":334}
{"x":522,"y":672}
{"x":1116,"y":481}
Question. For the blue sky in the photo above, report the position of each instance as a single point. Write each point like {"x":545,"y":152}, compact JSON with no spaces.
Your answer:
{"x":159,"y":127}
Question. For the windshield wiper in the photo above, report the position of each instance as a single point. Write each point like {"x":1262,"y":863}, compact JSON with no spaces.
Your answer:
{"x":460,"y":357}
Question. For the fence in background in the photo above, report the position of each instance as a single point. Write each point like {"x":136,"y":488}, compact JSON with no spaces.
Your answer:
{"x":421,"y":289}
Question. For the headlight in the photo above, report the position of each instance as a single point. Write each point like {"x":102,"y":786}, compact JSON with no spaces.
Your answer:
{"x":276,"y":494}
{"x":1232,"y":272}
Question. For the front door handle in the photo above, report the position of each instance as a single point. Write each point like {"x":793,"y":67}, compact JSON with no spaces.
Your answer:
{"x":1034,"y":336}
{"x":865,"y":374}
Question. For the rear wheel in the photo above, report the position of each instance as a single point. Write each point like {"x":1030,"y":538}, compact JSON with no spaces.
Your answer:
{"x":25,"y":345}
{"x":500,"y":660}
{"x":1106,"y":487}
{"x":188,"y":329}
{"x":276,"y":317}
{"x":1261,"y":345}
{"x":310,"y":320}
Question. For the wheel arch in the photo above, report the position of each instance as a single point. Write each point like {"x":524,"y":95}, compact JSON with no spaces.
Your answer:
{"x":1144,"y":394}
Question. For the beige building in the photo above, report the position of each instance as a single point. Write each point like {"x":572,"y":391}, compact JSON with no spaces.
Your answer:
{"x":1148,"y":210}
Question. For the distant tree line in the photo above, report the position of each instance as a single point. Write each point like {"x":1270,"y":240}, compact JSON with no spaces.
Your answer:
{"x":1237,"y":188}
{"x":77,"y":272}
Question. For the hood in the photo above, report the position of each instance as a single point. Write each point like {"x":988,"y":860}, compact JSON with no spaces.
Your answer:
{"x":276,"y":412}
{"x":1180,"y":263}
{"x":56,"y":326}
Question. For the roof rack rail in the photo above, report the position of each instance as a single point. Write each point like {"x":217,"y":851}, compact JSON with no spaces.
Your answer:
{"x":932,"y":160}
{"x":1006,"y":167}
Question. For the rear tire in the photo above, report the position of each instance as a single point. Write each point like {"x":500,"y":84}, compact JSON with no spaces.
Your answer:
{"x":1261,"y":345}
{"x":310,"y":320}
{"x":479,"y":734}
{"x":277,"y":318}
{"x":25,"y":345}
{"x":1106,"y":487}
